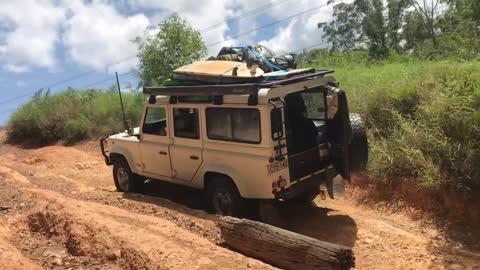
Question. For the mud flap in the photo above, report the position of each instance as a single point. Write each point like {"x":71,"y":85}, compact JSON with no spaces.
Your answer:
{"x":335,"y":187}
{"x":339,"y":131}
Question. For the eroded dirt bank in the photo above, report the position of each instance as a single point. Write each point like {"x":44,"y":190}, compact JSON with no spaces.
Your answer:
{"x":59,"y":210}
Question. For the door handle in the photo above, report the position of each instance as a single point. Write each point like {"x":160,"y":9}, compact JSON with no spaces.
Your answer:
{"x":162,"y":153}
{"x":193,"y":157}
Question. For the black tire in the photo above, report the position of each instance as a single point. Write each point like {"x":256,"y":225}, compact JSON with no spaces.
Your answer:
{"x":358,"y":144}
{"x":125,"y":180}
{"x":223,"y":197}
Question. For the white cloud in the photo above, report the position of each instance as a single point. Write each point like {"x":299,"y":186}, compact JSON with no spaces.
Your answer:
{"x":96,"y":34}
{"x":201,"y":14}
{"x":302,"y":31}
{"x":31,"y":33}
{"x":16,"y":68}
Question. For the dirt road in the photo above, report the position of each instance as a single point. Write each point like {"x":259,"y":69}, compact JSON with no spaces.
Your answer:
{"x":59,"y":210}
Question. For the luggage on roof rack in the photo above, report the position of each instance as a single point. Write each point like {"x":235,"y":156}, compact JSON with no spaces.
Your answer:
{"x":218,"y":72}
{"x":228,"y":89}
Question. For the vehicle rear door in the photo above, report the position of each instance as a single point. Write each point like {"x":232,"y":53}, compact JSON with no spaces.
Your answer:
{"x":155,"y":141}
{"x":186,"y":148}
{"x":339,"y":134}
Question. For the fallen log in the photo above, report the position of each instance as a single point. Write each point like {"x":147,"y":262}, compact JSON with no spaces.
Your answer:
{"x":282,"y":248}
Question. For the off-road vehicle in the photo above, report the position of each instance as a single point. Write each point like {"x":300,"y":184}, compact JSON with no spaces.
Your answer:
{"x":267,"y":140}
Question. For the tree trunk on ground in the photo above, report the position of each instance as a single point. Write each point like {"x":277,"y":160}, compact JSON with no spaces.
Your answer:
{"x":283,"y":248}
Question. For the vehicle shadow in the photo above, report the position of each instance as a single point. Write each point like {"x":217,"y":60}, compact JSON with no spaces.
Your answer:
{"x":310,"y":220}
{"x":182,"y":199}
{"x":316,"y":222}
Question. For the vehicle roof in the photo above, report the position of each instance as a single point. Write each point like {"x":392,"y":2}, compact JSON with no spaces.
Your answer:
{"x":261,"y":93}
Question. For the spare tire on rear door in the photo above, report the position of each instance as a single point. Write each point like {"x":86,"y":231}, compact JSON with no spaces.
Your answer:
{"x":358,"y":144}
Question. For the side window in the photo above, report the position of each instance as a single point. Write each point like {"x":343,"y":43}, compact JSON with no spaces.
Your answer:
{"x":186,"y":123}
{"x":155,"y":122}
{"x":232,"y":124}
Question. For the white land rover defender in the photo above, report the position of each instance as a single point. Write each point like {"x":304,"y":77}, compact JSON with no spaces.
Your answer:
{"x":277,"y":140}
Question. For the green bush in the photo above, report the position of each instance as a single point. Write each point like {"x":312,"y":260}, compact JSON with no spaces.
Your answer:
{"x":423,"y":120}
{"x":72,"y":116}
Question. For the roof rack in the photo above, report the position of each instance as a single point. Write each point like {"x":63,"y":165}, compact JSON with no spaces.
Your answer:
{"x":227,"y":89}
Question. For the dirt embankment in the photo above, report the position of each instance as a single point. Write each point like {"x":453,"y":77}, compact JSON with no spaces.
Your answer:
{"x":59,"y":210}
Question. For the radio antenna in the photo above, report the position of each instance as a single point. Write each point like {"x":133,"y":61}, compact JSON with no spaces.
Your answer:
{"x":125,"y":124}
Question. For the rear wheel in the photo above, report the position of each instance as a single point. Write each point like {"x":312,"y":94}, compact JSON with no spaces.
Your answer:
{"x":223,"y":197}
{"x":125,"y":180}
{"x":358,"y":144}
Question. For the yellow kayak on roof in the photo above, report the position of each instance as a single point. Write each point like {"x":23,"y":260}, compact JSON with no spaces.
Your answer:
{"x":215,"y":71}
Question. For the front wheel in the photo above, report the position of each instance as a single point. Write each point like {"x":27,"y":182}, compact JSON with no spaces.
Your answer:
{"x":223,"y":197}
{"x":125,"y":180}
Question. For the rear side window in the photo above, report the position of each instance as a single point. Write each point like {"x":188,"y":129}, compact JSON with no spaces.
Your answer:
{"x":233,"y":124}
{"x":186,"y":123}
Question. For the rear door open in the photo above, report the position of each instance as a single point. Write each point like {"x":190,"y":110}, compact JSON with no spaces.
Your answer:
{"x":333,"y":134}
{"x":339,"y":131}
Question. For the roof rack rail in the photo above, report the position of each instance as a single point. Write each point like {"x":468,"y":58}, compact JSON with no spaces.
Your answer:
{"x":227,"y":89}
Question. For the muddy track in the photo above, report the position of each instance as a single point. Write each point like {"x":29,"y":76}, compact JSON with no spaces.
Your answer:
{"x":59,"y":210}
{"x":56,"y":231}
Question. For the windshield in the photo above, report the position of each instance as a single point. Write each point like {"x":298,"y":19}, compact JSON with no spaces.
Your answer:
{"x":315,"y":103}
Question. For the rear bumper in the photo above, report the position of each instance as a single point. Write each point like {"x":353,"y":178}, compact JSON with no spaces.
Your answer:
{"x":311,"y":183}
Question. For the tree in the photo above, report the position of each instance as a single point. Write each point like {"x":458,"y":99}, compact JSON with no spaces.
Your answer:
{"x":363,"y":23}
{"x":429,"y":12}
{"x":428,"y":28}
{"x":413,"y":31}
{"x":374,"y":27}
{"x":175,"y":44}
{"x":396,"y":18}
{"x":344,"y":32}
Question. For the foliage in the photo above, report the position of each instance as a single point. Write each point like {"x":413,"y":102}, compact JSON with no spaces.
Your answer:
{"x":175,"y":44}
{"x":324,"y":58}
{"x":344,"y":33}
{"x":373,"y":25}
{"x":395,"y":20}
{"x":71,"y":116}
{"x":423,"y":121}
{"x":428,"y":29}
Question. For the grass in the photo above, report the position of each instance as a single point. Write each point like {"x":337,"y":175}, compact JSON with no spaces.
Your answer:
{"x":423,"y":120}
{"x":72,"y":116}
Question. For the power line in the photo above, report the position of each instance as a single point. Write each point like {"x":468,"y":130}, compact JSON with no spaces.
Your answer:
{"x":73,"y":78}
{"x":246,"y":14}
{"x":82,"y":87}
{"x":105,"y":80}
{"x":207,"y":29}
{"x":84,"y":74}
{"x":270,"y":24}
{"x":16,"y":97}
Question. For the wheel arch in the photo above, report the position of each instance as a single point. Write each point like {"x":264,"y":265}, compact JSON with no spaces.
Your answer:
{"x":116,"y":156}
{"x":122,"y":154}
{"x":209,"y":176}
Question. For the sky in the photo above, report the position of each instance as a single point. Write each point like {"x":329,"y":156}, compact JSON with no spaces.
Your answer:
{"x":58,"y":44}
